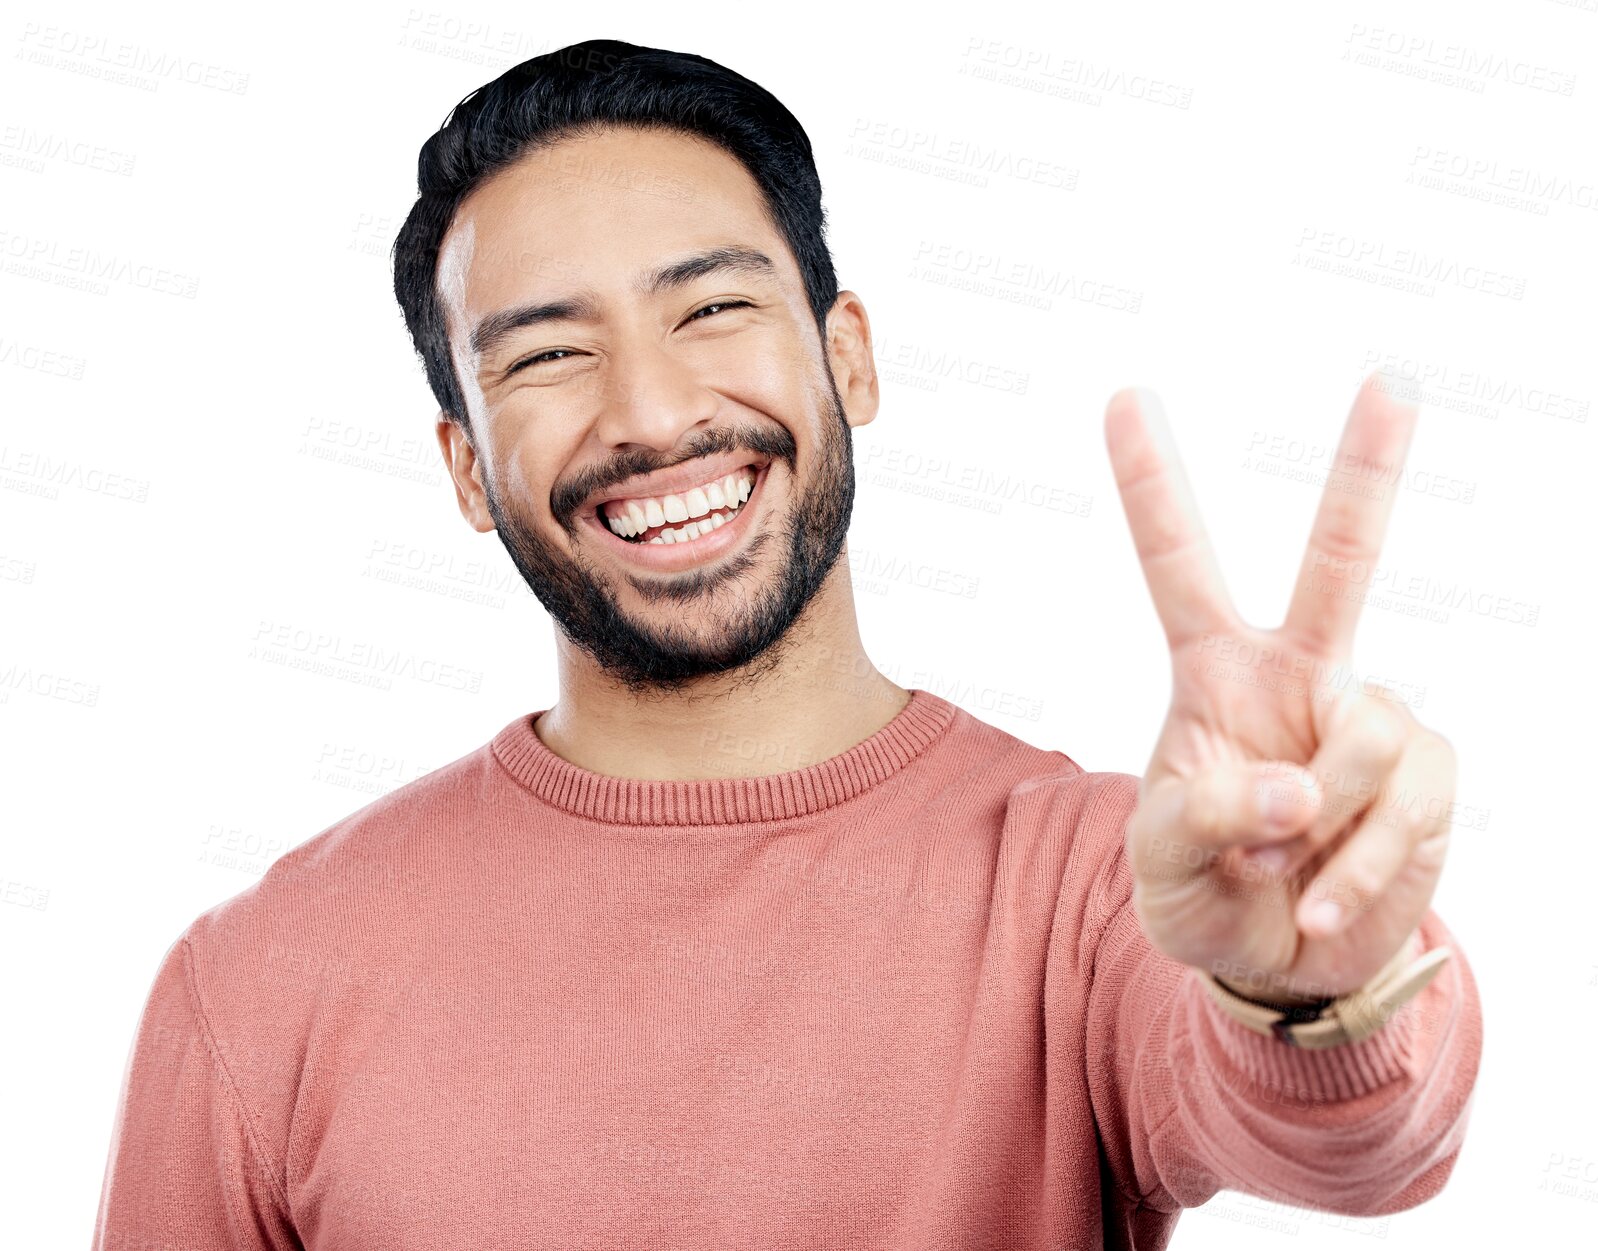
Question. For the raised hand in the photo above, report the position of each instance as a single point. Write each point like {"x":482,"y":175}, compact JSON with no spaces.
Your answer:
{"x":1273,"y":747}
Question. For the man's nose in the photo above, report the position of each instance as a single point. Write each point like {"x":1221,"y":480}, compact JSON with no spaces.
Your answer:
{"x":651,"y":397}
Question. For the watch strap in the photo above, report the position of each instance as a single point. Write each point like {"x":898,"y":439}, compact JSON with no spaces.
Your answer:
{"x":1346,"y":1018}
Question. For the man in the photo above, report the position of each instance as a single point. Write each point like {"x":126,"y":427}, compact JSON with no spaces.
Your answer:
{"x":602,"y":983}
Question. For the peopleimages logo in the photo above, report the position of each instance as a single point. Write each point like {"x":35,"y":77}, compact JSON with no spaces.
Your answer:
{"x":368,"y":664}
{"x":1478,"y":392}
{"x":117,"y":60}
{"x":1450,"y":63}
{"x":1412,"y":263}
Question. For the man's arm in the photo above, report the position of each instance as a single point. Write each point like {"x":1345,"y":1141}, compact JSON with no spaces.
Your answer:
{"x":1189,"y":1101}
{"x":184,"y":1167}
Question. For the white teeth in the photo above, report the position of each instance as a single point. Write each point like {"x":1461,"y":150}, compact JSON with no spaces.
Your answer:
{"x":697,"y":506}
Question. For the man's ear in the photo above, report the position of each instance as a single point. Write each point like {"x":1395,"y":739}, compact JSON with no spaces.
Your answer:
{"x":854,"y":368}
{"x":460,"y":458}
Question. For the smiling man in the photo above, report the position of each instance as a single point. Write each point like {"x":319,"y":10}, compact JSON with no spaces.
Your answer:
{"x":738,"y":943}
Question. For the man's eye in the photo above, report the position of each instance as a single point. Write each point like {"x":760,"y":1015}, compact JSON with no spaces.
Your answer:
{"x":720,"y":304}
{"x":554,"y":352}
{"x":533,"y":360}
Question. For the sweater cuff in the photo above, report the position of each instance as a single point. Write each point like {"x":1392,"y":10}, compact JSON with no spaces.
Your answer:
{"x":1320,"y":1075}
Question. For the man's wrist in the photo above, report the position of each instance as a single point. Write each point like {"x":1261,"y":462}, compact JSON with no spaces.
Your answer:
{"x":1352,"y":1007}
{"x":1282,"y":1001}
{"x":1275,"y":996}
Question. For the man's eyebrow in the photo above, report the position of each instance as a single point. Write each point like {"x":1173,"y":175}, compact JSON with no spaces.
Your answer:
{"x":583,"y":306}
{"x":732,"y":260}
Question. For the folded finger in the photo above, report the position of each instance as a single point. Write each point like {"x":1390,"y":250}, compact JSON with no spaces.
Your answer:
{"x":1362,"y":742}
{"x":1362,"y":869}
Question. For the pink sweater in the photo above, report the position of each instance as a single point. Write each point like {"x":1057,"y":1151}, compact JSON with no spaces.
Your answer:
{"x":899,"y":999}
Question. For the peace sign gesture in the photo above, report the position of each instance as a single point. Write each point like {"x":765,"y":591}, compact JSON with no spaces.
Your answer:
{"x":1244,"y":863}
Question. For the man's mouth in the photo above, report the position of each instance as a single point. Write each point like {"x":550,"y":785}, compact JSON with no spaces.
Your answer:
{"x":683,"y":516}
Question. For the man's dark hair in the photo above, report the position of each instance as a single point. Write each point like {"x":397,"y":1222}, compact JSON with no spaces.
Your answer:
{"x":576,"y":91}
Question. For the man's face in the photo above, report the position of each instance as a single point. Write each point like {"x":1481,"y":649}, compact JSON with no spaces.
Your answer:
{"x":641,"y":390}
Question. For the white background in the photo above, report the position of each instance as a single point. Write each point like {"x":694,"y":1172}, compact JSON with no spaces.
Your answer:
{"x":229,"y":434}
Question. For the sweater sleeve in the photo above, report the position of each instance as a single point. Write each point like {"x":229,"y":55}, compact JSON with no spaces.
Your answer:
{"x":184,"y":1168}
{"x":1189,"y":1101}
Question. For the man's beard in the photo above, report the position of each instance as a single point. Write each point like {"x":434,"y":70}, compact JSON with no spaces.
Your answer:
{"x":670,"y":651}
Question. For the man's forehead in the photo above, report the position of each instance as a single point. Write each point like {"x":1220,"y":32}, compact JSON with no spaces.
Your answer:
{"x":567,"y":212}
{"x":482,"y":264}
{"x":521,"y":240}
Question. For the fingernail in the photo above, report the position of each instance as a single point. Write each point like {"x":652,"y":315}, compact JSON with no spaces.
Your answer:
{"x":1282,"y":800}
{"x":1150,"y":404}
{"x":1324,"y":916}
{"x":1272,"y":859}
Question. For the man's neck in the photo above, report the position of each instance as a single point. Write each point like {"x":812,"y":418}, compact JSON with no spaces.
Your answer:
{"x":821,"y":698}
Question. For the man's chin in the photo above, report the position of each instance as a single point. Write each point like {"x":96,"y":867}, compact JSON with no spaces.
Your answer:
{"x":632,"y":651}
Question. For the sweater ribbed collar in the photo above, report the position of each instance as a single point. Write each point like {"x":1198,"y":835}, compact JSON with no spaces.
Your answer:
{"x":722,"y":801}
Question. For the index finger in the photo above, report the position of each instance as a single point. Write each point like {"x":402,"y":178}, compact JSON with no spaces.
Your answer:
{"x":1179,"y":566}
{"x":1346,"y":537}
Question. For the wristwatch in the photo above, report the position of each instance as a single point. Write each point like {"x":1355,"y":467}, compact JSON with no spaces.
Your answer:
{"x":1335,"y":1020}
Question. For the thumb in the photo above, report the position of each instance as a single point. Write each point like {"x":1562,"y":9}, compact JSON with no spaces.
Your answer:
{"x":1185,"y":824}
